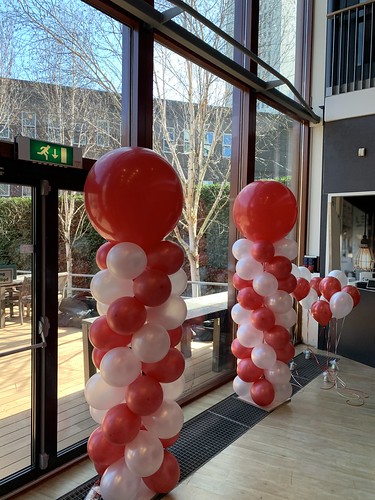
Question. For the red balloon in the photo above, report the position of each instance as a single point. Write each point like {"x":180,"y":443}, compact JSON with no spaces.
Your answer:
{"x":240,"y":283}
{"x":277,"y":337}
{"x":286,"y":353}
{"x":168,"y":369}
{"x":165,"y":478}
{"x":249,"y":299}
{"x":120,"y":425}
{"x":144,"y":396}
{"x":328,"y":286}
{"x":101,"y":254}
{"x":175,"y":335}
{"x":314,"y":284}
{"x":262,"y":251}
{"x":101,"y":467}
{"x":262,"y":392}
{"x":240,"y":351}
{"x":248,"y":371}
{"x":166,"y":256}
{"x":262,"y":318}
{"x":288,"y":284}
{"x":169,"y":441}
{"x":100,"y":450}
{"x":126,"y":315}
{"x":97,"y":356}
{"x":104,"y":338}
{"x":152,"y":287}
{"x":265,"y":210}
{"x":133,"y":194}
{"x":279,"y":266}
{"x":321,"y":312}
{"x":302,"y":289}
{"x":353,"y":292}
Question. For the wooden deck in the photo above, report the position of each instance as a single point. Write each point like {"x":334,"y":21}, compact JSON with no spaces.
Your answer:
{"x":74,"y":420}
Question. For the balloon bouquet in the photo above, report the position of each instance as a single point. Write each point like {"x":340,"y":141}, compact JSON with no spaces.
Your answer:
{"x":264,"y":212}
{"x":133,"y":199}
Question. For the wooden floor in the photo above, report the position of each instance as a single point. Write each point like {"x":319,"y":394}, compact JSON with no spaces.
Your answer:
{"x":319,"y":445}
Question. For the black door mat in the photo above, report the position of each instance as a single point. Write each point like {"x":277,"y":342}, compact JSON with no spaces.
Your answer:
{"x":210,"y":432}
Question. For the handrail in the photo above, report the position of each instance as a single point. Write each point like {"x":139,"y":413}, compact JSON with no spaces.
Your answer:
{"x":346,"y":9}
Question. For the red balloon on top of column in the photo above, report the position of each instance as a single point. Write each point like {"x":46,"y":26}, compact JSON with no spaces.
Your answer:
{"x":265,"y":210}
{"x":134,"y":195}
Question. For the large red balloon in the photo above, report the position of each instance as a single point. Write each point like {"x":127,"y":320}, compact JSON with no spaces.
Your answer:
{"x":249,"y":299}
{"x":328,"y":286}
{"x":262,"y":392}
{"x":104,"y":338}
{"x":248,"y":371}
{"x":133,"y":194}
{"x":240,"y":351}
{"x":288,"y":284}
{"x":262,"y":318}
{"x":314,"y":284}
{"x":286,"y":353}
{"x":265,"y":210}
{"x":101,"y":450}
{"x":120,"y":425}
{"x":240,"y":283}
{"x":279,"y":266}
{"x":277,"y":337}
{"x":168,"y":369}
{"x":302,"y":289}
{"x":165,"y":478}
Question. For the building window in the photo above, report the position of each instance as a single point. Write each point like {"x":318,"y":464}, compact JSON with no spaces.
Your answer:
{"x":102,"y":136}
{"x":227,"y":145}
{"x":167,"y":141}
{"x":4,"y":129}
{"x":54,"y":129}
{"x":186,"y":141}
{"x":208,"y":139}
{"x":28,"y":124}
{"x":80,"y":135}
{"x":4,"y":190}
{"x":26,"y":191}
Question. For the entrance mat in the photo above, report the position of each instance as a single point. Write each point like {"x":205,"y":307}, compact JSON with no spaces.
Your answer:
{"x":210,"y":432}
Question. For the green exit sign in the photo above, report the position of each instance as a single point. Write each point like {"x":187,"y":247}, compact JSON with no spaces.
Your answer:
{"x":49,"y":152}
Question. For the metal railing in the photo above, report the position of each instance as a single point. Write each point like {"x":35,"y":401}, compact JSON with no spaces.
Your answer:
{"x":351,"y":49}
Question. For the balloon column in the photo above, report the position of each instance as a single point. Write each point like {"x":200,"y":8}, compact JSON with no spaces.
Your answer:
{"x":264,"y":212}
{"x":133,"y":198}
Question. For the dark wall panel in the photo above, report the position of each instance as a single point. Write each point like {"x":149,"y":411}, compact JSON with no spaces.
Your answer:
{"x":343,"y":170}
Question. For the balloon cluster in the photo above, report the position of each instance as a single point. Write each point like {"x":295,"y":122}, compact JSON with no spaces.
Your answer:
{"x":264,"y":212}
{"x":328,"y":297}
{"x":133,"y":198}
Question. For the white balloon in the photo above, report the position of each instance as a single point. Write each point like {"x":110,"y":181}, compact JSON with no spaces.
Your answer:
{"x":283,"y":391}
{"x":101,"y":395}
{"x":178,"y":281}
{"x":151,"y":343}
{"x":248,"y":268}
{"x":287,"y":248}
{"x":248,"y":336}
{"x":119,"y":482}
{"x":126,"y":260}
{"x":265,"y":284}
{"x":96,"y":414}
{"x":279,"y":302}
{"x":167,"y":421}
{"x":340,"y":275}
{"x":144,"y":455}
{"x":287,"y":319}
{"x":309,"y":300}
{"x":101,"y":308}
{"x":240,"y":387}
{"x":305,"y":273}
{"x":171,"y":314}
{"x":173,"y":390}
{"x":241,"y":248}
{"x":263,"y":356}
{"x":105,"y":287}
{"x":119,"y":367}
{"x":278,"y":374}
{"x":295,"y":271}
{"x":240,"y":314}
{"x":341,"y":304}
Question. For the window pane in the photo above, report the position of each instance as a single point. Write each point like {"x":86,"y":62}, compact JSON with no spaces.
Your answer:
{"x":196,"y":106}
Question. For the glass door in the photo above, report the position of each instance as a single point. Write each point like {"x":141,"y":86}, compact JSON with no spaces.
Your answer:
{"x":44,"y":250}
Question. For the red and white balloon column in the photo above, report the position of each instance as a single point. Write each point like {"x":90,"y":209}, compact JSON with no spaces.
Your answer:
{"x":264,"y":212}
{"x":133,"y":198}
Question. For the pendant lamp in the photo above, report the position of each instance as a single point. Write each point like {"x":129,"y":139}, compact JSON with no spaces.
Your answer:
{"x":364,"y":258}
